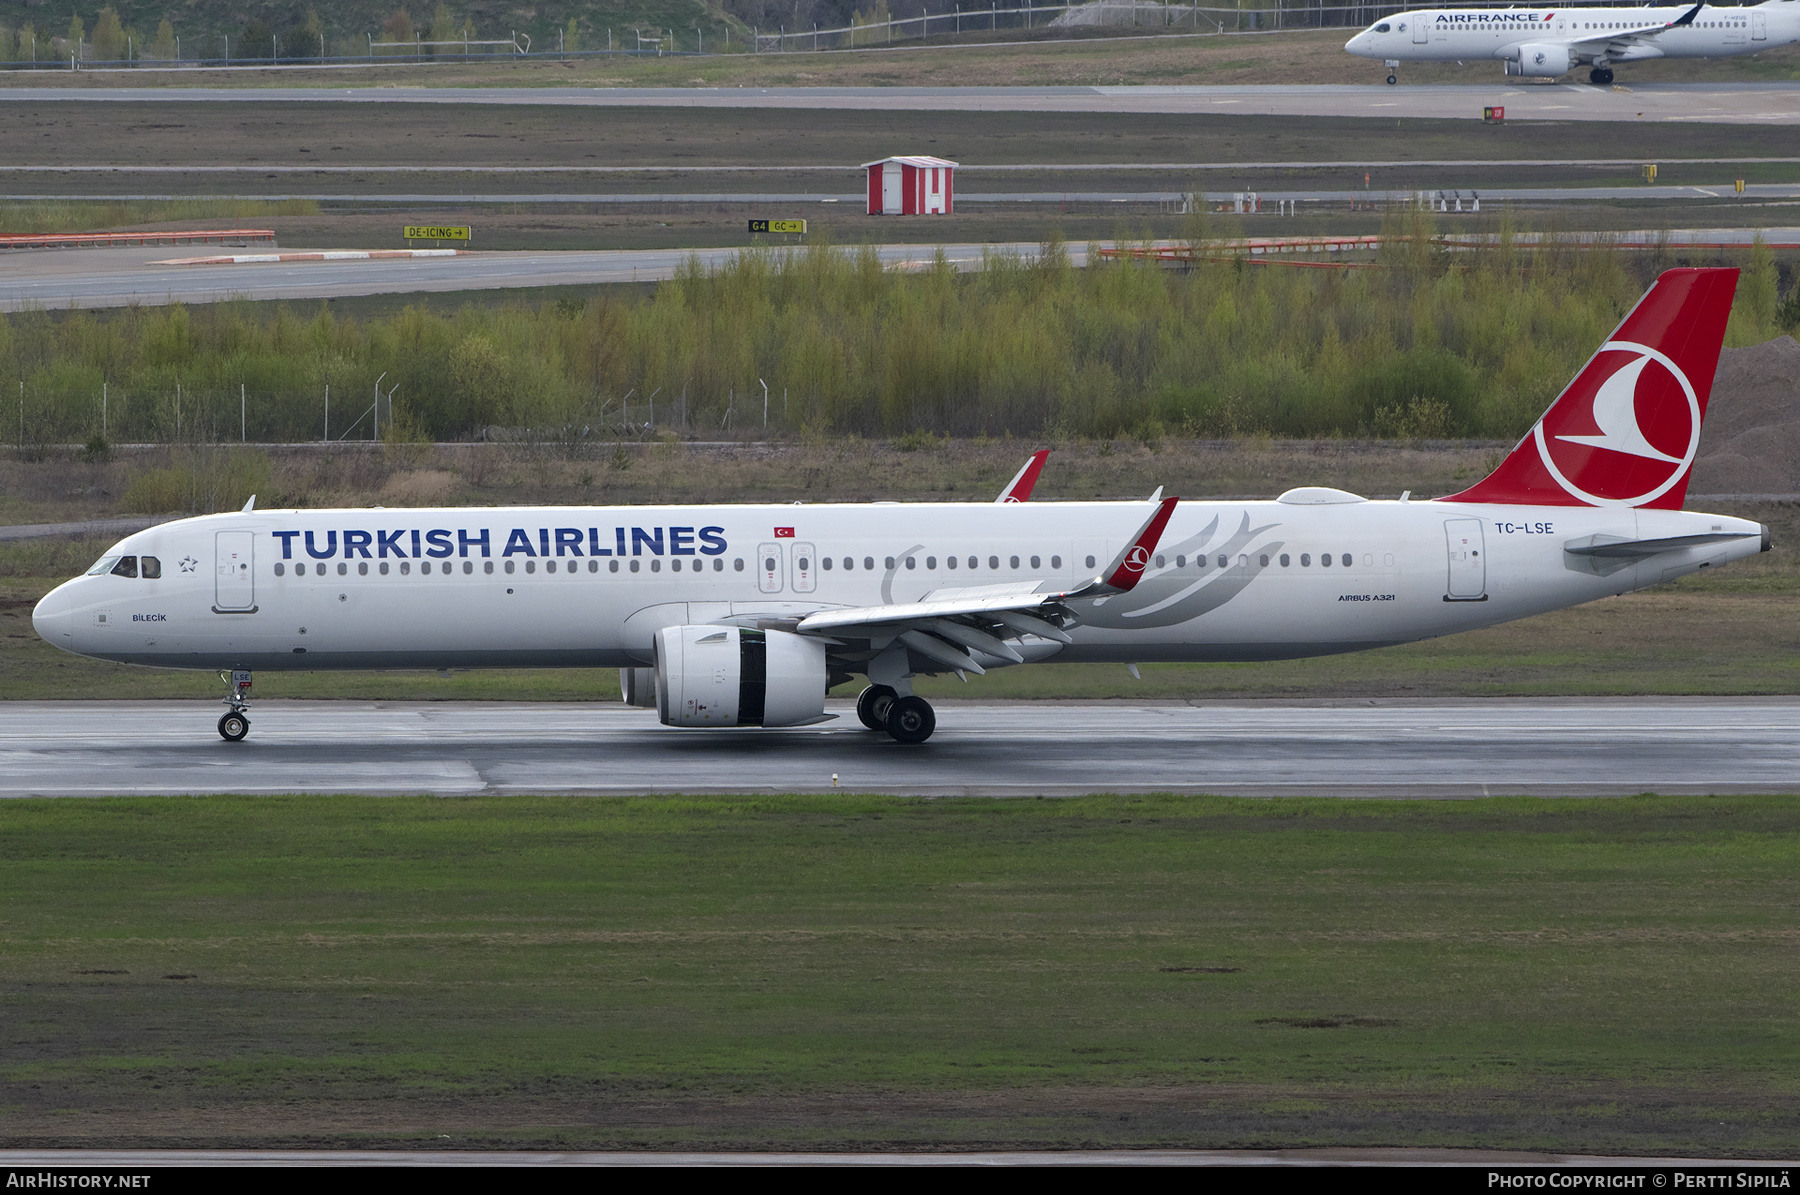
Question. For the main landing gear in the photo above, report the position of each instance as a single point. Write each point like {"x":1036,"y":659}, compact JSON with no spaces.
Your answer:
{"x":236,"y":722}
{"x":907,"y":719}
{"x":1600,"y":76}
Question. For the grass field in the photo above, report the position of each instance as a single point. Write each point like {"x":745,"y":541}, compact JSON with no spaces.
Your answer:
{"x":1589,"y":976}
{"x":1070,"y":60}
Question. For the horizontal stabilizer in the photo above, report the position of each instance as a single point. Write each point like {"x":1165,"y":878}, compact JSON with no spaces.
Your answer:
{"x":1617,"y":547}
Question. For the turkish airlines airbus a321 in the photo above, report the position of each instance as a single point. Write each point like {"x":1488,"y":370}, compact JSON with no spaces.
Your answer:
{"x":1543,"y":43}
{"x":744,"y":615}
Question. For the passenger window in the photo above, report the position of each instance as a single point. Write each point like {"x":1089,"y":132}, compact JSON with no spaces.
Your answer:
{"x":300,"y":570}
{"x":1325,"y":560}
{"x":487,"y":566}
{"x":1224,"y":561}
{"x":949,"y":562}
{"x":930,"y":562}
{"x":549,"y":566}
{"x":718,"y":564}
{"x":1263,"y":560}
{"x":655,"y":565}
{"x":1090,"y":562}
{"x":1161,"y":562}
{"x":974,"y":562}
{"x":127,"y":567}
{"x":612,"y":566}
{"x":362,"y":568}
{"x":1346,"y":560}
{"x":869,"y":563}
{"x":406,"y":567}
{"x":994,"y":564}
{"x":824,"y":562}
{"x":509,"y":566}
{"x":1181,"y":562}
{"x":152,"y":568}
{"x":768,"y":564}
{"x":1284,"y":560}
{"x":1199,"y":562}
{"x":1305,"y":560}
{"x":1035,"y":560}
{"x":634,"y":566}
{"x":1014,"y":562}
{"x":1056,"y":562}
{"x":593,"y":566}
{"x":343,"y":569}
{"x":281,"y":568}
{"x":469,"y":567}
{"x":737,"y":564}
{"x":530,"y":566}
{"x":912,"y":562}
{"x":1243,"y":560}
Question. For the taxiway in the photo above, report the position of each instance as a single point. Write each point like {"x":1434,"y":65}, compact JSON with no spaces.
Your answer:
{"x":1388,"y":748}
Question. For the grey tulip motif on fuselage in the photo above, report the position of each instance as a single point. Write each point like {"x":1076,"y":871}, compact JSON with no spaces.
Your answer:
{"x":1169,"y":596}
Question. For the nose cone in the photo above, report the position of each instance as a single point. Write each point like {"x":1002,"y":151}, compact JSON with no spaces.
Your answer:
{"x":1359,"y":44}
{"x":54,"y":618}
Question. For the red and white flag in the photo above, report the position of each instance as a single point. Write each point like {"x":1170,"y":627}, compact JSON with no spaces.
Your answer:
{"x":784,"y":533}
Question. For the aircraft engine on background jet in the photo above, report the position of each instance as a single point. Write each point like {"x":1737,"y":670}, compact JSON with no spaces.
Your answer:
{"x":1540,"y":61}
{"x":728,"y":676}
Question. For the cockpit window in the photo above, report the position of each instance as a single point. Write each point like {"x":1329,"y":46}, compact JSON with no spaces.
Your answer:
{"x":103,"y":566}
{"x":127,"y":567}
{"x":151,"y":567}
{"x":1384,"y":27}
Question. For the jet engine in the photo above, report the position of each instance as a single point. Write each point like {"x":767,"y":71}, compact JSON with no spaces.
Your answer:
{"x":728,"y":676}
{"x":1540,"y":61}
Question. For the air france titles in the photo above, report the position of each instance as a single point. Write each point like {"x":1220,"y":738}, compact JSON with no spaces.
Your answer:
{"x":439,"y":543}
{"x":1499,"y":17}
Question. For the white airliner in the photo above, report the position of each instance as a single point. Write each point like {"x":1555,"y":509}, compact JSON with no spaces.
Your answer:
{"x":1543,"y":43}
{"x":744,"y":615}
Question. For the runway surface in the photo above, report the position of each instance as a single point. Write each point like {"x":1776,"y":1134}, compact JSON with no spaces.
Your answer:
{"x":1402,"y":749}
{"x":1762,"y":103}
{"x":90,"y":278}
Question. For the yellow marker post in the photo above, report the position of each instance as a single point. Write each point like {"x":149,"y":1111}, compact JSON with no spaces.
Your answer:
{"x":1650,"y":173}
{"x":434,"y":232}
{"x":1740,"y":186}
{"x":797,"y":227}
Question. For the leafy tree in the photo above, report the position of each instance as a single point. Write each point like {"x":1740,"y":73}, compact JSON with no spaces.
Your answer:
{"x":572,"y":36}
{"x":397,"y":28}
{"x":164,"y":45}
{"x":77,"y":34}
{"x":109,"y":36}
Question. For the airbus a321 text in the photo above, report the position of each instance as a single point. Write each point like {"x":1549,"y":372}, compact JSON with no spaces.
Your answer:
{"x":1544,"y":43}
{"x":723,"y":616}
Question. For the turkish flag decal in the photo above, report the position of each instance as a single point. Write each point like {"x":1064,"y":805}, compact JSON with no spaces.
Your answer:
{"x":784,"y":533}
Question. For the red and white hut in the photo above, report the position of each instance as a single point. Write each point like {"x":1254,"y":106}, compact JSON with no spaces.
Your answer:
{"x":910,"y":186}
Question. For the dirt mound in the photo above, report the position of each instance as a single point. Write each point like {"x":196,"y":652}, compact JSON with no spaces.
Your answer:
{"x":1750,"y":443}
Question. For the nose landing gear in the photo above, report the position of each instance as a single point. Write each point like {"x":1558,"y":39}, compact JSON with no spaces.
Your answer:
{"x":1393,"y":66}
{"x":235,"y":724}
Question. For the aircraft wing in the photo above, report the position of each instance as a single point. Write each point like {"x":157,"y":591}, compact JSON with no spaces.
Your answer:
{"x":1020,"y":487}
{"x":1627,"y":37}
{"x":945,"y":623}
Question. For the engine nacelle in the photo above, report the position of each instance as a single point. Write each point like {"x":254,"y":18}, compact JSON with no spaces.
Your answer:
{"x":728,"y":676}
{"x":1540,"y":61}
{"x":637,"y":686}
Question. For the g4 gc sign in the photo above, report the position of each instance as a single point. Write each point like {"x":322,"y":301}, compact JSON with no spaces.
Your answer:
{"x":794,"y":226}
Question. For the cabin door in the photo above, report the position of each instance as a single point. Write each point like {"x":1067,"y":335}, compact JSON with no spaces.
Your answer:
{"x":234,"y":574}
{"x":1421,"y":29}
{"x":1468,"y":566}
{"x":1759,"y":26}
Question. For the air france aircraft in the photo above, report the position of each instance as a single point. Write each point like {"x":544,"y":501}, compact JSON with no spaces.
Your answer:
{"x":722,"y":616}
{"x":1548,"y":42}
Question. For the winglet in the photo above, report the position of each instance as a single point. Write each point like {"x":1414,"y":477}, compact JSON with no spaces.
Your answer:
{"x":1127,"y":568}
{"x":249,"y":506}
{"x":1020,"y":487}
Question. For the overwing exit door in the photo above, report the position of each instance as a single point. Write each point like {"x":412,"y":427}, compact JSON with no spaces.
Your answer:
{"x":768,"y":568}
{"x":806,"y":567}
{"x":1468,"y":566}
{"x":234,"y":572}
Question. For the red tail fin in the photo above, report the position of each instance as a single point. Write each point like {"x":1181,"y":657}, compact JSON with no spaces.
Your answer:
{"x":1625,"y":431}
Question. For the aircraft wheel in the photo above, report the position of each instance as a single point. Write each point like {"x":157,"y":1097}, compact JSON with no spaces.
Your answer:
{"x":911,"y":720}
{"x":1393,"y":79}
{"x":872,"y":706}
{"x":233,"y":727}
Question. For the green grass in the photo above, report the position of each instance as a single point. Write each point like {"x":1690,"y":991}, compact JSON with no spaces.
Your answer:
{"x":1605,"y":976}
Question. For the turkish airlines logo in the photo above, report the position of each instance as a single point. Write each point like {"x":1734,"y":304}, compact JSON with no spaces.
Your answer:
{"x":1631,"y":436}
{"x":1137,"y":559}
{"x":1010,"y":498}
